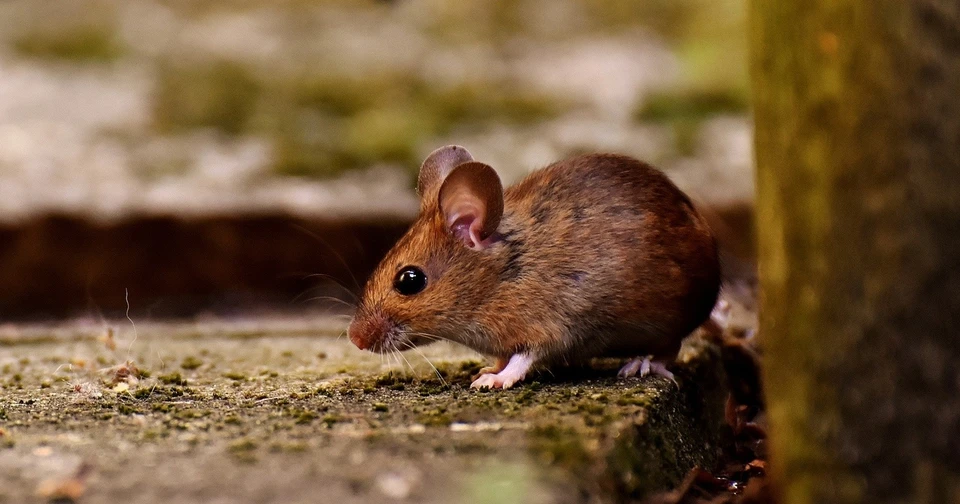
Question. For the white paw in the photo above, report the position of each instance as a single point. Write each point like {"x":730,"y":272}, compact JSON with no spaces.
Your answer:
{"x":514,"y":371}
{"x":493,"y":381}
{"x":485,"y":381}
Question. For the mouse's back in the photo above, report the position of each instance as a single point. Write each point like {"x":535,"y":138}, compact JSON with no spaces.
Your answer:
{"x":610,"y":244}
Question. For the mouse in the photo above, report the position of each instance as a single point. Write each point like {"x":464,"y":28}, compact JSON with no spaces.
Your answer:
{"x":597,"y":255}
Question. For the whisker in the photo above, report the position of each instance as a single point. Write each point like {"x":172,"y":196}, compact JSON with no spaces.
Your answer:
{"x":400,"y":354}
{"x":331,"y":298}
{"x":395,"y":354}
{"x":323,"y":242}
{"x":427,"y":336}
{"x":384,"y":355}
{"x":413,"y":347}
{"x":335,"y":282}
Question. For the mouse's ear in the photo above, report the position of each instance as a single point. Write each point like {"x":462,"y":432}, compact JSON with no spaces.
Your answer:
{"x":471,"y":200}
{"x":438,"y":165}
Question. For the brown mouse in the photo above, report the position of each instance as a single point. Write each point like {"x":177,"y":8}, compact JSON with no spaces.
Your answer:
{"x":599,"y":255}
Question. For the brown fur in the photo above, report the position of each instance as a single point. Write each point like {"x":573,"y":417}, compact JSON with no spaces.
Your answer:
{"x":598,"y":255}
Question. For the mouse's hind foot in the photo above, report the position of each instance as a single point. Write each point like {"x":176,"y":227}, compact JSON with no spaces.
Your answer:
{"x":643,"y":367}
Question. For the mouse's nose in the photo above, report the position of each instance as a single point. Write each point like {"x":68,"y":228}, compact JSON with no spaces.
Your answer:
{"x":357,"y":334}
{"x":366,"y":331}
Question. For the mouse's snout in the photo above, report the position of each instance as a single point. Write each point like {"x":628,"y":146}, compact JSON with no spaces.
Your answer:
{"x":367,"y":331}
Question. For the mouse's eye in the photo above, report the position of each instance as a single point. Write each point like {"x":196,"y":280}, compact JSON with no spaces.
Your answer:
{"x":410,"y":280}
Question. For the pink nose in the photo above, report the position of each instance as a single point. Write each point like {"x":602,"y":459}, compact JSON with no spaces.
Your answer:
{"x":367,"y":331}
{"x":357,"y":335}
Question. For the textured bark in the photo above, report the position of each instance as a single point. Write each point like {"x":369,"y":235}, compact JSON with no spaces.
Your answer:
{"x":857,"y":109}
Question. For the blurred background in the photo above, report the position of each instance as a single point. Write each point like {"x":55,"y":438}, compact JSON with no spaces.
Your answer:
{"x":199,"y":158}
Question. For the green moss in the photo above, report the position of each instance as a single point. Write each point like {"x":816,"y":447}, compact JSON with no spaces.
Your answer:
{"x":242,"y":450}
{"x":304,"y":417}
{"x":590,"y":407}
{"x":243,"y":445}
{"x":222,"y":95}
{"x":341,"y":95}
{"x":477,"y":103}
{"x":126,"y":409}
{"x":190,"y":362}
{"x":668,"y":18}
{"x":172,"y":392}
{"x":324,"y":124}
{"x":174,"y":378}
{"x":190,"y":414}
{"x":307,"y":145}
{"x":436,"y":417}
{"x":691,"y":105}
{"x":288,"y":447}
{"x":81,"y":43}
{"x":388,"y":134}
{"x":502,"y":483}
{"x":391,"y":379}
{"x":234,"y":375}
{"x":685,"y":112}
{"x":559,"y":445}
{"x":430,"y":388}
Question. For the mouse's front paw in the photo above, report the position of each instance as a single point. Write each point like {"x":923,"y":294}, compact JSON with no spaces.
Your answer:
{"x":493,"y":381}
{"x":514,"y":371}
{"x":486,"y":380}
{"x":494,"y":369}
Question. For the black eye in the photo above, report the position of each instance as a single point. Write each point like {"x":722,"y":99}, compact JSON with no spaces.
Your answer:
{"x":410,"y":280}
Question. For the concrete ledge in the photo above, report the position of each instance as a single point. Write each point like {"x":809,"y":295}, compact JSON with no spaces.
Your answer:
{"x":284,"y":411}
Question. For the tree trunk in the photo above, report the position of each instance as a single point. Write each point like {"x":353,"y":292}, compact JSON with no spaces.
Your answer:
{"x":857,"y":111}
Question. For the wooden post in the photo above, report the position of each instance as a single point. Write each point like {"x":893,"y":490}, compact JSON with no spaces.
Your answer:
{"x":857,"y":113}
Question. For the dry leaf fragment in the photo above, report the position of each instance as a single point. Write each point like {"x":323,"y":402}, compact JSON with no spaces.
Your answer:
{"x":123,"y":373}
